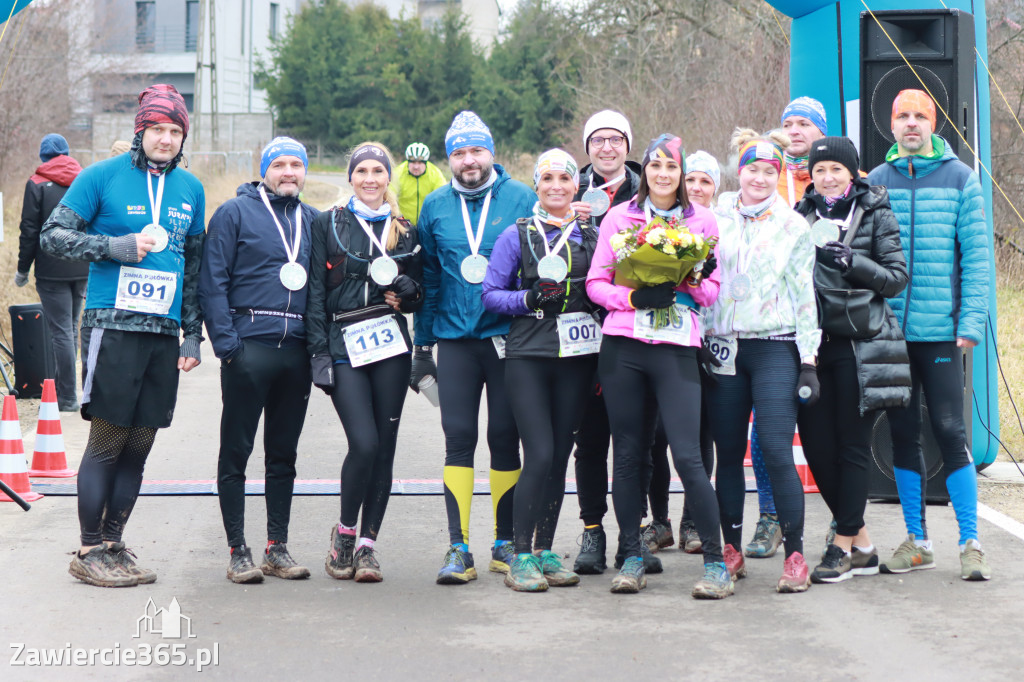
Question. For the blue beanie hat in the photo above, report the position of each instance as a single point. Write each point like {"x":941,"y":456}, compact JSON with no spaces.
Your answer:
{"x":281,"y":146}
{"x":468,"y":131}
{"x":53,"y":145}
{"x":809,"y":108}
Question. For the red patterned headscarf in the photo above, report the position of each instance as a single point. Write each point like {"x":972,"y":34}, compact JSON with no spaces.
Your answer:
{"x":161,"y":103}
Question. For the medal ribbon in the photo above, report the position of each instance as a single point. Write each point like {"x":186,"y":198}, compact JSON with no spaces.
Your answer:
{"x":618,"y":178}
{"x":385,"y":234}
{"x":291,"y":251}
{"x":475,"y":240}
{"x":154,"y":204}
{"x":560,"y":244}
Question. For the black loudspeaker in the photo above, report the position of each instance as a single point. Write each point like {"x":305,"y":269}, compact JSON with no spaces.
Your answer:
{"x":882,"y":480}
{"x":33,"y":350}
{"x":940,"y":46}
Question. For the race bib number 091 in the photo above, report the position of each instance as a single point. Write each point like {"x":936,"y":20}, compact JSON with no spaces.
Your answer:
{"x":374,"y":340}
{"x":578,"y":334}
{"x":145,"y":291}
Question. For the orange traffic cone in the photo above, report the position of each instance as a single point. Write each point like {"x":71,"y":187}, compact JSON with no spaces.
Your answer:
{"x":802,"y":468}
{"x":12,"y":454}
{"x":49,"y":459}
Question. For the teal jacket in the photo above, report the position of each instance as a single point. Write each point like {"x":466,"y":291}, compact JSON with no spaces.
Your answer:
{"x":938,"y":203}
{"x":452,"y":307}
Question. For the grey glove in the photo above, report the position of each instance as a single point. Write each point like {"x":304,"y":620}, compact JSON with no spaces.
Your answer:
{"x":21,"y":278}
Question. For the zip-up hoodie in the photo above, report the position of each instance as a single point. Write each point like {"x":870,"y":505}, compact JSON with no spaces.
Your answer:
{"x":43,"y":192}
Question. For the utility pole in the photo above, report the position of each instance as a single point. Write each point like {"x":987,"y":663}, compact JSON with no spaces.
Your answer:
{"x":207,"y":12}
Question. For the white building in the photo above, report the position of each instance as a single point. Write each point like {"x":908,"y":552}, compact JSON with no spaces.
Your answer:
{"x":481,"y":15}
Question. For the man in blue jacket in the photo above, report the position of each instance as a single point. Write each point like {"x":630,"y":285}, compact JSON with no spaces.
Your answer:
{"x":938,"y":202}
{"x":252,"y":288}
{"x":458,"y":226}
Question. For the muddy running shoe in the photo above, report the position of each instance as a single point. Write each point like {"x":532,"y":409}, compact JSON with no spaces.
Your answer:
{"x":367,"y":568}
{"x":657,"y":535}
{"x":652,"y":564}
{"x":716,"y":583}
{"x":973,"y":565}
{"x":241,"y":569}
{"x":339,"y":559}
{"x":555,"y":573}
{"x":277,"y":561}
{"x":98,"y":567}
{"x":590,"y":560}
{"x":689,"y":539}
{"x":864,"y":563}
{"x":631,"y":578}
{"x":836,"y":567}
{"x":502,"y":555}
{"x":734,"y":562}
{"x":795,"y":576}
{"x":525,"y":574}
{"x":767,"y":538}
{"x":909,"y":557}
{"x":458,"y":568}
{"x":830,"y":537}
{"x":125,"y":558}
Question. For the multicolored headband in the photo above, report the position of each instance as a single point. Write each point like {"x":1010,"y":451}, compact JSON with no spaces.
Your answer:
{"x":371,"y":152}
{"x":761,"y":150}
{"x":556,"y":160}
{"x":665,"y":146}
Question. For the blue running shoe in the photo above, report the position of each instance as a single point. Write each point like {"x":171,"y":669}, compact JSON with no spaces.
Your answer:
{"x":502,"y":556}
{"x":555,"y":573}
{"x":458,"y":568}
{"x":716,"y":583}
{"x":525,"y":574}
{"x":631,"y":578}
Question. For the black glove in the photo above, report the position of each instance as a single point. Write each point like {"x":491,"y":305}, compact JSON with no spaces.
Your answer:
{"x":841,"y":254}
{"x":544,"y":294}
{"x":659,"y":296}
{"x":808,"y":381}
{"x":706,"y":359}
{"x":423,"y":365}
{"x":323,"y":372}
{"x":710,"y":265}
{"x":404,"y":288}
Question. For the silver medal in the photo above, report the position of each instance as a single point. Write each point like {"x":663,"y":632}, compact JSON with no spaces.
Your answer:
{"x":552,"y":267}
{"x":824,"y":231}
{"x":293,"y":276}
{"x":598,"y":200}
{"x":739,"y":287}
{"x":474,"y":268}
{"x":158,"y":233}
{"x":383,"y":270}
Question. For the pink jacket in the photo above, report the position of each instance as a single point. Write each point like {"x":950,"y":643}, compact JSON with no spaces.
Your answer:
{"x":615,"y":298}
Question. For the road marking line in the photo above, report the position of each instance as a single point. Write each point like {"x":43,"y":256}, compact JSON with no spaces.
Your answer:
{"x":1002,"y":520}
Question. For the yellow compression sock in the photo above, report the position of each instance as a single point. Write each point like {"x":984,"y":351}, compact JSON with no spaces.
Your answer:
{"x":458,"y":482}
{"x":501,"y":483}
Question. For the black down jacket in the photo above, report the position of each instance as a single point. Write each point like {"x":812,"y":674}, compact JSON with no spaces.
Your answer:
{"x":883,"y":367}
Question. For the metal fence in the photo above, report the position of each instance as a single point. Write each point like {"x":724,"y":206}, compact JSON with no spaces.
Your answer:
{"x":203,"y":162}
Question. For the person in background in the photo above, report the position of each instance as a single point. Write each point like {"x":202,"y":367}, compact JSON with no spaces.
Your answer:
{"x":59,"y":283}
{"x":415,"y":178}
{"x":120,"y":147}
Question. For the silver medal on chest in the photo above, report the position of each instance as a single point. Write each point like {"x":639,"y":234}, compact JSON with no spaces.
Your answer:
{"x":383,"y":270}
{"x":293,"y":276}
{"x":474,"y":268}
{"x":552,"y":267}
{"x":158,"y":233}
{"x":824,"y":231}
{"x":598,"y":200}
{"x":739,"y":287}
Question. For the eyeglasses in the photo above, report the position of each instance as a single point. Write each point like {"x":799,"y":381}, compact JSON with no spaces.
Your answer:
{"x":615,"y":142}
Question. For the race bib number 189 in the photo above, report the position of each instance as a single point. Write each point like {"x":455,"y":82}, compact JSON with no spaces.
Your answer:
{"x":145,"y":291}
{"x":677,"y":332}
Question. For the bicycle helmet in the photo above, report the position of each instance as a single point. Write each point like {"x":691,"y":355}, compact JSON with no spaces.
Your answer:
{"x":417,"y":151}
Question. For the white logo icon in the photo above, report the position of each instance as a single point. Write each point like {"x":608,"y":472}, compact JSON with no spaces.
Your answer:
{"x":171,"y":621}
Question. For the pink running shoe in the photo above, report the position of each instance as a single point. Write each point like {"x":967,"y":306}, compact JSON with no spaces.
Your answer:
{"x":795,"y":576}
{"x":734,"y":562}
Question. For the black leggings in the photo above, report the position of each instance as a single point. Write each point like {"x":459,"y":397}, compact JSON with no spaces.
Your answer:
{"x":765,"y":379}
{"x":836,"y":438}
{"x":369,"y":401}
{"x":592,"y":440}
{"x":658,"y":492}
{"x":642,"y":380}
{"x":547,"y":397}
{"x":109,"y":478}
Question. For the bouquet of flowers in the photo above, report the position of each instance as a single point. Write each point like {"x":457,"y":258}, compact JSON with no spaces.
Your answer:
{"x":658,"y":252}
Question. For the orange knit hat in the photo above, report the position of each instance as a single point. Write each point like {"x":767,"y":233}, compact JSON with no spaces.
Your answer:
{"x":914,"y":100}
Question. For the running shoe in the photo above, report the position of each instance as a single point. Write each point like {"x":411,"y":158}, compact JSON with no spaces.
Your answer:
{"x":657,"y":535}
{"x":909,"y":557}
{"x":590,"y":560}
{"x":503,"y":553}
{"x":734,"y":562}
{"x":277,"y":561}
{"x":652,"y":564}
{"x":241,"y":569}
{"x":555,"y":573}
{"x":716,"y":583}
{"x":631,"y":578}
{"x":125,"y":558}
{"x":864,"y":563}
{"x":836,"y":567}
{"x":525,"y":574}
{"x":367,"y":568}
{"x":795,"y":576}
{"x":98,"y":567}
{"x":689,"y":539}
{"x":973,"y":565}
{"x":830,"y":537}
{"x":339,"y":560}
{"x":767,"y":538}
{"x":458,"y":568}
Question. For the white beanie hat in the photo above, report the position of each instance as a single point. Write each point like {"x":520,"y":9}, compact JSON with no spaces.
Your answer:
{"x":705,"y":163}
{"x":607,"y":119}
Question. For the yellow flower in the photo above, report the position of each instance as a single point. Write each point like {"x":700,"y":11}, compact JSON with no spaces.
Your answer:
{"x":617,"y":241}
{"x":672,"y":236}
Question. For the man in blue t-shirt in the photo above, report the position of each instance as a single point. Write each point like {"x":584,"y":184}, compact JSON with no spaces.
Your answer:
{"x":139,"y":220}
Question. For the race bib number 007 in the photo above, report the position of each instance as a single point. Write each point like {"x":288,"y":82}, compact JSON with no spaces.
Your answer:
{"x":374,"y":340}
{"x":578,"y":334}
{"x":145,"y":291}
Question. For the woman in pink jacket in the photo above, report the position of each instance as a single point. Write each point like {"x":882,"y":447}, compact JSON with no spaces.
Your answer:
{"x":644,"y":371}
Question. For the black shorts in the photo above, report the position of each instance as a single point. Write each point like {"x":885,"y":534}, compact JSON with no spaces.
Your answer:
{"x":129,"y":378}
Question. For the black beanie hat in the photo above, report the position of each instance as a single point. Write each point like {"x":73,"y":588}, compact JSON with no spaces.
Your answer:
{"x":840,"y":149}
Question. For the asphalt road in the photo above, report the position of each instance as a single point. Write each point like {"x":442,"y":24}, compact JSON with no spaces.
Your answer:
{"x":928,"y":625}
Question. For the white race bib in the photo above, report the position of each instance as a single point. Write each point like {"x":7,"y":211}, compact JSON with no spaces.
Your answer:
{"x":499,"y":346}
{"x":724,"y":348}
{"x":145,"y":291}
{"x":677,"y":332}
{"x":578,"y":334}
{"x":374,"y":340}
